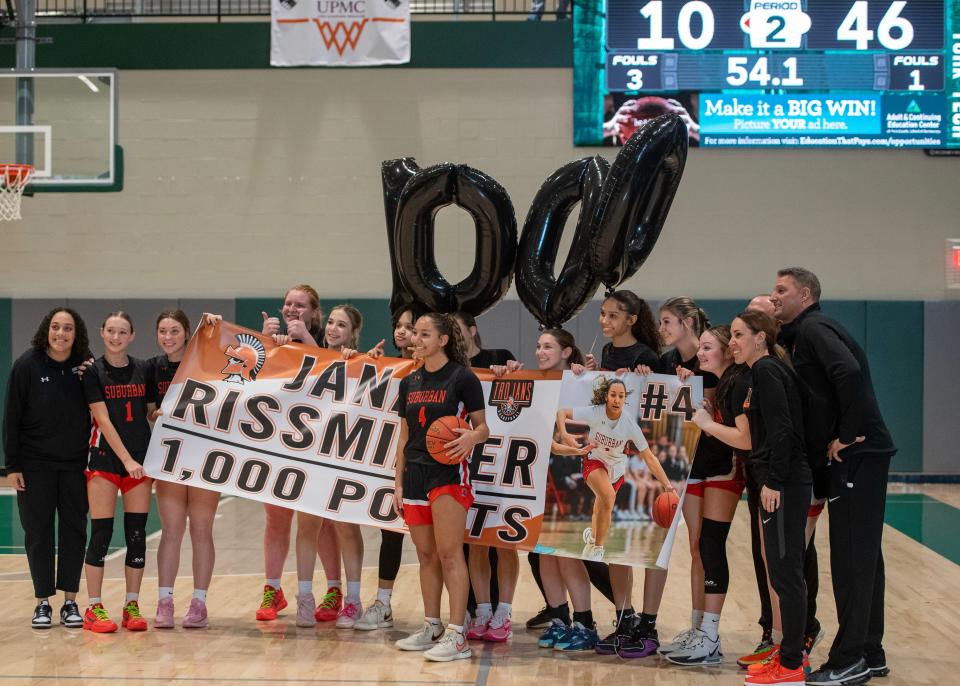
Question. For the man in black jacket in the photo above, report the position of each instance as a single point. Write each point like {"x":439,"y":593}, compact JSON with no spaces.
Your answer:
{"x":849,"y":445}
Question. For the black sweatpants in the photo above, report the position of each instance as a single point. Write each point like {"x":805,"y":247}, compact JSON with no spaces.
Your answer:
{"x":783,"y":533}
{"x":811,"y":575}
{"x":391,"y":550}
{"x":51,"y":496}
{"x":858,"y":498}
{"x":759,"y":568}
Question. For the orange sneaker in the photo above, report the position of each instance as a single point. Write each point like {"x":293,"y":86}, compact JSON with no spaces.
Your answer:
{"x":764,"y":665}
{"x":762,"y":653}
{"x":97,"y":620}
{"x":273,"y":601}
{"x":778,"y":675}
{"x":330,"y":605}
{"x":132,"y":619}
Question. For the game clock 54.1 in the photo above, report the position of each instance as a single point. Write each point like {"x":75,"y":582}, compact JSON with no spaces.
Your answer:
{"x":899,"y":60}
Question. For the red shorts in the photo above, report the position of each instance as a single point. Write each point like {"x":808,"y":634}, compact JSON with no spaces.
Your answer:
{"x":696,"y":488}
{"x":591,"y":465}
{"x":124,"y":483}
{"x":424,"y":483}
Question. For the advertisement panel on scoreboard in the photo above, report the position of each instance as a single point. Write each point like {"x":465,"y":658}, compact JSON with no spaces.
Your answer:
{"x":771,"y":73}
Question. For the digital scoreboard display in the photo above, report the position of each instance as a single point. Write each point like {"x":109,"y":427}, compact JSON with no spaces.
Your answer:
{"x":771,"y":73}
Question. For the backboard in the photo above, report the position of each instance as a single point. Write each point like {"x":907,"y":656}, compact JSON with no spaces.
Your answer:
{"x":64,"y":123}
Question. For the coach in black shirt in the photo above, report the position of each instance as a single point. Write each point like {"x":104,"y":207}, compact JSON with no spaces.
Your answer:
{"x":46,"y":429}
{"x":848,"y":440}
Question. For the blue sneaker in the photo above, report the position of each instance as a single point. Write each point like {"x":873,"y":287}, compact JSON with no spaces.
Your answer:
{"x":549,"y":637}
{"x":577,"y":639}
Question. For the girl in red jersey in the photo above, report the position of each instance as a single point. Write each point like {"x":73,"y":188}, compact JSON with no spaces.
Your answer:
{"x":178,"y":502}
{"x":121,"y":400}
{"x":723,"y":482}
{"x":434,"y":497}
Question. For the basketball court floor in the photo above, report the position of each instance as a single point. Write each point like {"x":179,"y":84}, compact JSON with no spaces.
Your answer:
{"x":921,"y":548}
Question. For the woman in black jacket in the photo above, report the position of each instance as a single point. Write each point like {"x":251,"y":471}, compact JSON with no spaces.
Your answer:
{"x":780,"y":467}
{"x":46,"y":428}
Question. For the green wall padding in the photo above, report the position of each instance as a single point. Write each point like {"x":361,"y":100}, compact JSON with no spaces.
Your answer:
{"x":895,"y":349}
{"x":246,"y":45}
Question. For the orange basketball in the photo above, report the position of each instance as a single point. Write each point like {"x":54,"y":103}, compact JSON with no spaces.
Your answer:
{"x":441,"y":432}
{"x":664,"y":507}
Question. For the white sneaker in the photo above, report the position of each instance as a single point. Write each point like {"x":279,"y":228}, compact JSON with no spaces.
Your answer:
{"x":679,"y":642}
{"x":588,"y":536}
{"x":700,"y":650}
{"x":377,"y":616}
{"x":425,"y":639}
{"x":349,"y":615}
{"x":596,"y":554}
{"x":453,"y":646}
{"x":306,"y":607}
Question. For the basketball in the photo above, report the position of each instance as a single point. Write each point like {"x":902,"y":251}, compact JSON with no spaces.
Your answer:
{"x":664,"y":508}
{"x":440,"y":433}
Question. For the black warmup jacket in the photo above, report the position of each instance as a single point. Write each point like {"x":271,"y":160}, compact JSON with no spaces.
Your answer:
{"x":775,"y":411}
{"x":46,"y":422}
{"x":839,"y":401}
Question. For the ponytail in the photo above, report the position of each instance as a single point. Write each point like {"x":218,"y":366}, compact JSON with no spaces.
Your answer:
{"x":566,"y":340}
{"x":645,"y":328}
{"x":684,"y":308}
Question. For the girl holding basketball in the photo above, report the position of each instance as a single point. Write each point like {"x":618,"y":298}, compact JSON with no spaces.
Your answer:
{"x":604,"y":467}
{"x":178,"y":503}
{"x":434,"y":497}
{"x":723,"y":483}
{"x":121,"y":400}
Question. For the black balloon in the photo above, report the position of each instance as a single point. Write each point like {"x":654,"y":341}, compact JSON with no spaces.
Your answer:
{"x":425,"y":194}
{"x":395,"y":174}
{"x":554,"y":300}
{"x":636,"y":198}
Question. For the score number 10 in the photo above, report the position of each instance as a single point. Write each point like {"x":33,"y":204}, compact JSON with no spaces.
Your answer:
{"x":739,"y":73}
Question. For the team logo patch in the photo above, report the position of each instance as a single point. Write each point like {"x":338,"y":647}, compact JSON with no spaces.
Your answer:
{"x":510,"y":397}
{"x":244,"y":360}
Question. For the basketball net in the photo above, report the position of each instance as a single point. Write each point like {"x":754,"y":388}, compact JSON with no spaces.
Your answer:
{"x":13,"y":180}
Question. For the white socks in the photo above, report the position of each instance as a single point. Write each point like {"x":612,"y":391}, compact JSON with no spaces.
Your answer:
{"x":504,"y":610}
{"x":95,"y":601}
{"x":458,"y":629}
{"x":384,"y":595}
{"x":333,"y":583}
{"x":273,"y":583}
{"x":353,"y":591}
{"x":304,"y":587}
{"x":200,"y":594}
{"x":711,"y":625}
{"x":166,"y":592}
{"x":484,"y":610}
{"x":132,"y":596}
{"x":436,"y":627}
{"x":696,"y":619}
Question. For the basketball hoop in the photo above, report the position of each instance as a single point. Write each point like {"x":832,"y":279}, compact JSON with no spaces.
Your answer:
{"x":13,"y":179}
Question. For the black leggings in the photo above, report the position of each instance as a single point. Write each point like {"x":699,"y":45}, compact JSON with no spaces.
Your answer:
{"x":783,"y":534}
{"x":391,"y":549}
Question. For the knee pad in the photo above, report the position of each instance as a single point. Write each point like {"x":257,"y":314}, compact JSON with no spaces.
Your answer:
{"x":135,"y":533}
{"x":713,"y":554}
{"x":101,"y":531}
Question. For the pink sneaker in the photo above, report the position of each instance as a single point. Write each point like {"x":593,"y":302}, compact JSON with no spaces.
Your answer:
{"x":349,"y":615}
{"x":164,"y":618}
{"x":196,"y":616}
{"x":478,"y":627}
{"x":499,"y":630}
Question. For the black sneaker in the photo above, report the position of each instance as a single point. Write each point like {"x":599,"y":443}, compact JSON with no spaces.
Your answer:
{"x":878,"y":665}
{"x":852,"y":675}
{"x":811,"y":640}
{"x":610,"y":644}
{"x":70,"y":615}
{"x":42,"y":616}
{"x":642,"y":642}
{"x":541,"y":620}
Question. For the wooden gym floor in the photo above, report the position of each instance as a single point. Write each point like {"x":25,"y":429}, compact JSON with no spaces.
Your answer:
{"x":920,"y":542}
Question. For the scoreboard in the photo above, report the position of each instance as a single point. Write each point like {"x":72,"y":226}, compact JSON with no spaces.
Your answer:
{"x":774,"y":73}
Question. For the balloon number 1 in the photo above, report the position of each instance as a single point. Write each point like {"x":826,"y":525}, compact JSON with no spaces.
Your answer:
{"x":623,"y":207}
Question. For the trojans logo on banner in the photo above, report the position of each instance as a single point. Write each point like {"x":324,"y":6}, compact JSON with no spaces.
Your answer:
{"x":339,"y":32}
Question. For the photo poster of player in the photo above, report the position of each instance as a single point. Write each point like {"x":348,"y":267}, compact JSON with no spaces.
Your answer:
{"x":611,"y":420}
{"x":624,"y":113}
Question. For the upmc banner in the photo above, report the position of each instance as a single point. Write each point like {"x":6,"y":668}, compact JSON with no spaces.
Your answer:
{"x":339,"y":32}
{"x":300,"y":427}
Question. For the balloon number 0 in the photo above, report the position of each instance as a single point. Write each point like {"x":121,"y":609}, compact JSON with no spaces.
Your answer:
{"x":623,"y":207}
